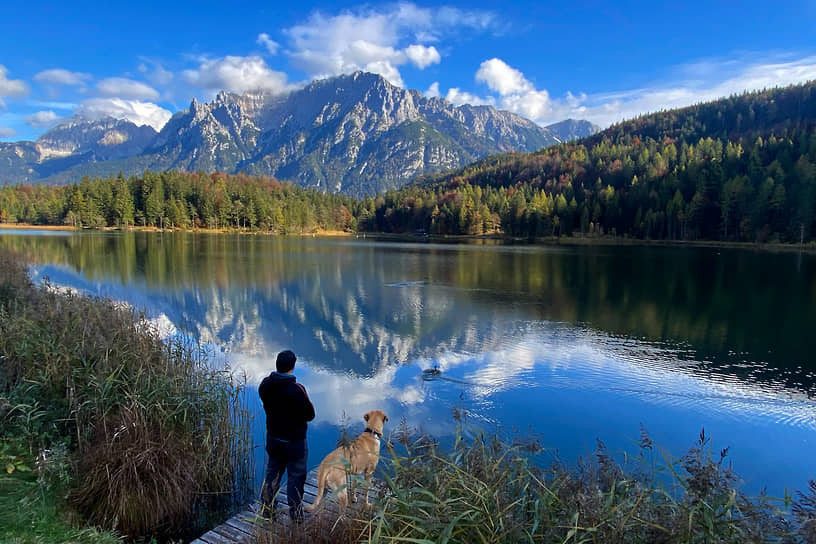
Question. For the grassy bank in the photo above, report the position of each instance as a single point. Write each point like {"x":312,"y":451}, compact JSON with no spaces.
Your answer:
{"x":123,"y":430}
{"x":31,"y":515}
{"x":492,"y":491}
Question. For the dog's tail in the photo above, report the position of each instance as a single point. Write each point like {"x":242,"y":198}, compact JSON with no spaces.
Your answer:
{"x":321,"y":487}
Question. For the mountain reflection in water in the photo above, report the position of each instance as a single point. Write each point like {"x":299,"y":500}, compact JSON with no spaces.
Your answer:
{"x":571,"y":343}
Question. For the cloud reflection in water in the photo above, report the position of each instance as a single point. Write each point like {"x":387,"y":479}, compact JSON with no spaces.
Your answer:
{"x":574,"y":344}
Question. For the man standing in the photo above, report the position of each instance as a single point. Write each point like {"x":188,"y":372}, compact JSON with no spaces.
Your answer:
{"x":287,"y":408}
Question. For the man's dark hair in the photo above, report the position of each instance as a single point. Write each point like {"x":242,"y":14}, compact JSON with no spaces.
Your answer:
{"x":286,"y":361}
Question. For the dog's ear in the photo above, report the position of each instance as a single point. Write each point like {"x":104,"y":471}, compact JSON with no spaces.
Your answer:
{"x":365,"y":417}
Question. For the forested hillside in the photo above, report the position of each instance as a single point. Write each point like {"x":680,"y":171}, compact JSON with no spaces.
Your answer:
{"x":738,"y":169}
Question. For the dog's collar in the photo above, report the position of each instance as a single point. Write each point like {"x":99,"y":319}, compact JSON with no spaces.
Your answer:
{"x":372,"y":431}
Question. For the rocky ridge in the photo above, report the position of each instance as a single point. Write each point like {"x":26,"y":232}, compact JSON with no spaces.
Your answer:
{"x":356,"y":134}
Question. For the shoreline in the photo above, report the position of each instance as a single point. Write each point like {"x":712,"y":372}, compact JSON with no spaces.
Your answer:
{"x":27,"y":226}
{"x":605,"y":241}
{"x":68,"y":228}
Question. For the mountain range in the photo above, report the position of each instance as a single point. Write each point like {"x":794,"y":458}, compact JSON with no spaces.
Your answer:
{"x":355,"y":134}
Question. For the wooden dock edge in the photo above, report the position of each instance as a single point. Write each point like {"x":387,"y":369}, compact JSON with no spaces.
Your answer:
{"x":243,"y":527}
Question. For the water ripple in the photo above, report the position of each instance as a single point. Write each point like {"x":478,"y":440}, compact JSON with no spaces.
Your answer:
{"x":545,"y":355}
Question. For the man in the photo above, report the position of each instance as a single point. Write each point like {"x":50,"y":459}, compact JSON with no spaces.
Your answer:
{"x":287,"y":408}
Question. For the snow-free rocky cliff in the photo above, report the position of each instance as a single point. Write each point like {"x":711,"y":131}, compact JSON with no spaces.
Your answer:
{"x":356,"y":134}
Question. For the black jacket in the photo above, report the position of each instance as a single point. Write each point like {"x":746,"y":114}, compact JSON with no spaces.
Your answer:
{"x":287,"y":406}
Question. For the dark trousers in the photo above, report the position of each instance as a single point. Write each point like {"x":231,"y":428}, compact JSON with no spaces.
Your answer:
{"x":286,"y":456}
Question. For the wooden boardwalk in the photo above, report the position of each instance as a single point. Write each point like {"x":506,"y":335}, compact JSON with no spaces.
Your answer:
{"x":244,"y":527}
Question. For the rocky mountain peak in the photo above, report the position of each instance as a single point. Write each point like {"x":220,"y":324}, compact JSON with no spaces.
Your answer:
{"x":199,"y":110}
{"x":572,"y":129}
{"x":355,"y":133}
{"x":106,"y":138}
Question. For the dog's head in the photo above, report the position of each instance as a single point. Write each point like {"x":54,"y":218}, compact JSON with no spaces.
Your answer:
{"x":375,"y":419}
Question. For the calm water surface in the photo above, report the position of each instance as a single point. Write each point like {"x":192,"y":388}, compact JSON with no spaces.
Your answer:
{"x":568,"y":343}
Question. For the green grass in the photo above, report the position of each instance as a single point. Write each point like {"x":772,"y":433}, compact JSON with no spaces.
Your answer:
{"x":31,"y":515}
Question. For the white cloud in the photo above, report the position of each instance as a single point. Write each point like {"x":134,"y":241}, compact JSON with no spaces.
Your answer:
{"x":433,"y":90}
{"x":502,"y":78}
{"x":120,"y":87}
{"x":698,"y":82}
{"x":237,"y":74}
{"x":693,"y":83}
{"x":271,"y":45}
{"x":60,"y":76}
{"x":53,"y":104}
{"x":6,"y":132}
{"x":530,"y":104}
{"x":42,"y":119}
{"x":378,"y":40}
{"x":363,"y":52}
{"x":386,"y":70}
{"x":11,"y":87}
{"x":459,"y":97}
{"x":138,"y":112}
{"x":431,"y":24}
{"x":421,"y":56}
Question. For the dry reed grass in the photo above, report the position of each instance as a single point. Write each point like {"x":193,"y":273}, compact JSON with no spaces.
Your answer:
{"x":159,"y":436}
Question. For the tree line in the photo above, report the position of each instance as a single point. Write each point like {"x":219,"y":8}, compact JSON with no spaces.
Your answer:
{"x":175,"y":199}
{"x":738,"y":169}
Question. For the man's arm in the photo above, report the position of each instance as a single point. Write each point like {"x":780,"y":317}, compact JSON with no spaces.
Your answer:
{"x":308,"y":408}
{"x":262,"y":388}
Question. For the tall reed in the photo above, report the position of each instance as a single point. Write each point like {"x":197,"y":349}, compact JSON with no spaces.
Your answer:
{"x":483,"y":489}
{"x":486,"y":490}
{"x":159,"y":433}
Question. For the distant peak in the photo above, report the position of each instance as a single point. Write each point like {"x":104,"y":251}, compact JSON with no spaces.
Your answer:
{"x":84,"y":122}
{"x":358,"y":76}
{"x":572,"y":129}
{"x":197,"y":108}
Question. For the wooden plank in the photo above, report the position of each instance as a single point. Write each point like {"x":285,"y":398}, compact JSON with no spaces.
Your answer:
{"x":246,"y":516}
{"x":283,"y":499}
{"x":240,"y":525}
{"x":212,"y":537}
{"x":309,"y":494}
{"x":232,"y":535}
{"x":240,"y":528}
{"x":307,"y":491}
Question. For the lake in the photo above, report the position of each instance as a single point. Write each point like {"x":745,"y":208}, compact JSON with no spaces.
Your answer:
{"x":566,"y":343}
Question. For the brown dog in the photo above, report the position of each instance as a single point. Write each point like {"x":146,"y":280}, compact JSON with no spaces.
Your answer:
{"x":359,"y":457}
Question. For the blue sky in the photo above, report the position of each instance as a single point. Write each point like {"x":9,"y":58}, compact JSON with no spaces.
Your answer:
{"x":602,"y":61}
